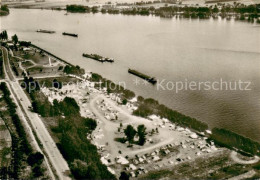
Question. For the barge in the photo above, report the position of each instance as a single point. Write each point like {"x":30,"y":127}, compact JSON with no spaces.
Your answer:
{"x":143,"y":76}
{"x":45,"y":31}
{"x":69,"y":34}
{"x":98,"y":58}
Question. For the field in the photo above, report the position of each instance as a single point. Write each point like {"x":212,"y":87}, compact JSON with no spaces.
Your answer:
{"x":35,"y":63}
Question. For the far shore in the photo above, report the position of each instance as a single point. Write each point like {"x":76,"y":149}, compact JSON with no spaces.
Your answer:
{"x":62,"y":4}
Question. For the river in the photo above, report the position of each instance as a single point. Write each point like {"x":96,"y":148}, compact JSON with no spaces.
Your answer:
{"x":169,"y":49}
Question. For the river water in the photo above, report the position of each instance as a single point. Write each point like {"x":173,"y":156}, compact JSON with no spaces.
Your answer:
{"x":171,"y":50}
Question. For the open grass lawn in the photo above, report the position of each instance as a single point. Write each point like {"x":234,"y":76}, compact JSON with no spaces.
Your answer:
{"x":5,"y":156}
{"x":38,"y":58}
{"x":27,"y":64}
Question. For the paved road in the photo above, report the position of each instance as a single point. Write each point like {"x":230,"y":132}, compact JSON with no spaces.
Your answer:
{"x":29,"y":131}
{"x":54,"y":155}
{"x":42,"y":77}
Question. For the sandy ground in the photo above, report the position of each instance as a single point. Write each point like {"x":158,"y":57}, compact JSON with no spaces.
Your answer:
{"x":172,"y":140}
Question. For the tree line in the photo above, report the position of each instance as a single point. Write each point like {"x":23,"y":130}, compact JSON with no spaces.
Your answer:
{"x":232,"y":140}
{"x":1,"y":66}
{"x":72,"y":130}
{"x":150,"y":106}
{"x":4,"y":10}
{"x":4,"y":35}
{"x":21,"y":148}
{"x":241,"y":11}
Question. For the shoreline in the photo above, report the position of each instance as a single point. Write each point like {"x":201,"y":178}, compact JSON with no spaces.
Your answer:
{"x":229,"y":131}
{"x":183,"y":131}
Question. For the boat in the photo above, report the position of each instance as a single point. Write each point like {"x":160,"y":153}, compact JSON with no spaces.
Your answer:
{"x":98,"y":58}
{"x":151,"y":80}
{"x":45,"y":31}
{"x":69,"y":34}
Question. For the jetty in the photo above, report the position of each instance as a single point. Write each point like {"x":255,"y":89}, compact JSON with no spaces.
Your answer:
{"x":45,"y":31}
{"x":69,"y":34}
{"x":98,"y":58}
{"x":151,"y":80}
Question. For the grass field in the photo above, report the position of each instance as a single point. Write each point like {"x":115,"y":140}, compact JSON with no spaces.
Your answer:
{"x":218,"y":166}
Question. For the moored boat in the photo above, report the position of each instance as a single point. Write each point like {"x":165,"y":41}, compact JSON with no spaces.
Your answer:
{"x":98,"y":58}
{"x":151,"y":80}
{"x":69,"y":34}
{"x":45,"y":31}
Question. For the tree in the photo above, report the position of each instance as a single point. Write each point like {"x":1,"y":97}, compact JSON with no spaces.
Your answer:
{"x":35,"y":158}
{"x":79,"y":169}
{"x":141,"y":133}
{"x":91,"y":124}
{"x":4,"y":35}
{"x":215,"y":9}
{"x":5,"y":8}
{"x":130,"y":133}
{"x":57,"y":84}
{"x":15,"y":39}
{"x":37,"y":171}
{"x":56,"y":110}
{"x":124,"y":176}
{"x":124,"y":102}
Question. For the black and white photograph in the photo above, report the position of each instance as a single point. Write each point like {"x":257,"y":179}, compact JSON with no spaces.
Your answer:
{"x":129,"y":89}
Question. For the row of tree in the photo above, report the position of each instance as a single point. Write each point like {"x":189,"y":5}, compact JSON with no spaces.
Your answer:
{"x":76,"y":70}
{"x":1,"y":66}
{"x":72,"y":130}
{"x":4,"y":35}
{"x":21,"y":148}
{"x":230,"y":139}
{"x":150,"y":106}
{"x":170,"y":11}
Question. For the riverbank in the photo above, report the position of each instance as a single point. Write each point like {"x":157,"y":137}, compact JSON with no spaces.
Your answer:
{"x":62,"y":4}
{"x":224,"y":9}
{"x":84,"y":100}
{"x":237,"y":11}
{"x":165,"y":59}
{"x":148,"y":107}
